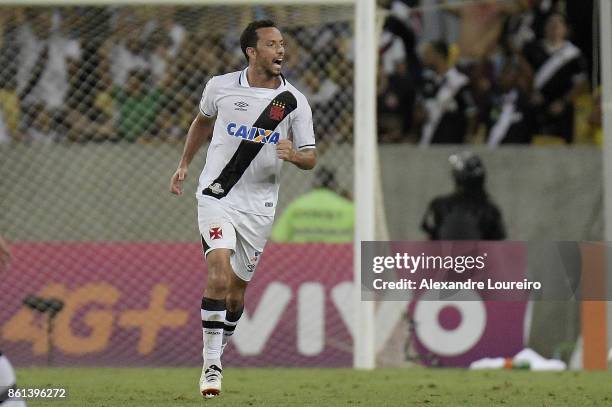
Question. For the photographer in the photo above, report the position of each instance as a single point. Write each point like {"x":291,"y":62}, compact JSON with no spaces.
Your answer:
{"x":467,"y":213}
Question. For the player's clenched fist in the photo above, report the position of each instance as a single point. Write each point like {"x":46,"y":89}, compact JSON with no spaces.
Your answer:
{"x":176,"y":183}
{"x":284,"y":150}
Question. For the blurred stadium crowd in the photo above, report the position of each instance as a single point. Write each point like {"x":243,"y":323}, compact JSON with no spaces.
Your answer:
{"x":137,"y":73}
{"x":505,"y":72}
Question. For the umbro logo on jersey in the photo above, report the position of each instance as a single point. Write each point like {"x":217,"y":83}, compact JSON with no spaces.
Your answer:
{"x":255,"y":134}
{"x":241,"y":106}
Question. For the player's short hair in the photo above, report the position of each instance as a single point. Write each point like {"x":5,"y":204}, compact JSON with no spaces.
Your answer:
{"x":248,"y":38}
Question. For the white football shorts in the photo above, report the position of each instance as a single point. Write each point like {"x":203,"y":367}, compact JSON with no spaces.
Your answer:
{"x":222,"y":227}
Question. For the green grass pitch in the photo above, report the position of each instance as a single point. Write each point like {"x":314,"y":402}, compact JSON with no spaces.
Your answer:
{"x":128,"y":387}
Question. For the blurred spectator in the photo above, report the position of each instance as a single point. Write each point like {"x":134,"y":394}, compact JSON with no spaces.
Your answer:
{"x":579,"y":15}
{"x":104,"y":112}
{"x":10,"y":110}
{"x":44,"y":58}
{"x":159,"y":44}
{"x":398,"y":40}
{"x":339,"y":69}
{"x":10,"y":19}
{"x":483,"y":86}
{"x":511,"y":118}
{"x":166,"y":26}
{"x":187,"y":78}
{"x":164,"y":39}
{"x":138,"y":105}
{"x":402,"y":72}
{"x":91,"y":117}
{"x":528,"y":26}
{"x":325,"y":88}
{"x":449,"y":106}
{"x":559,"y":77}
{"x":176,"y":32}
{"x":127,"y":51}
{"x":82,"y":121}
{"x":41,"y":128}
{"x":321,"y":215}
{"x":395,"y":105}
{"x":322,"y":94}
{"x":481,"y":25}
{"x":293,"y":65}
{"x":467,"y":213}
{"x":168,"y":125}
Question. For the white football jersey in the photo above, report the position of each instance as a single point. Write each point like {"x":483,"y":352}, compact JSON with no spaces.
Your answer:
{"x":242,"y":169}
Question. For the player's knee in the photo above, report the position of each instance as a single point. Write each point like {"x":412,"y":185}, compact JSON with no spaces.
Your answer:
{"x":218,"y":280}
{"x":217,"y":283}
{"x":234,"y":301}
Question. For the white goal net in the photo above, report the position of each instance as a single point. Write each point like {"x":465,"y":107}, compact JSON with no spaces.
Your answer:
{"x":95,"y":104}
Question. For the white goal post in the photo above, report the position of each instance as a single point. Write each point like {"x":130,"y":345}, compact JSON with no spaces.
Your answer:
{"x":364,"y":129}
{"x":605,"y":42}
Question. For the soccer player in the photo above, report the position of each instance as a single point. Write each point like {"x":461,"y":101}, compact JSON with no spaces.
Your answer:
{"x":7,"y":374}
{"x":261,"y":121}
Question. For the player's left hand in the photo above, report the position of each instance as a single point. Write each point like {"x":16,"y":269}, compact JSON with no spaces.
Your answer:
{"x":284,"y":150}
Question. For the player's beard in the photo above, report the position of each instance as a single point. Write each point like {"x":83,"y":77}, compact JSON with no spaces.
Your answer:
{"x":271,"y":72}
{"x":269,"y":69}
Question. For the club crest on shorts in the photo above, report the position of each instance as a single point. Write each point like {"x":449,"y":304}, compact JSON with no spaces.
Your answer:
{"x":277,"y":110}
{"x":216,"y":188}
{"x":215,"y":232}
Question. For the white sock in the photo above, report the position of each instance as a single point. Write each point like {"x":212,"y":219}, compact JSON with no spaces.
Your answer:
{"x":213,"y":321}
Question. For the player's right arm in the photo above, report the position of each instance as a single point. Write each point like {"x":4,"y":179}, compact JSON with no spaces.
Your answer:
{"x":199,"y":132}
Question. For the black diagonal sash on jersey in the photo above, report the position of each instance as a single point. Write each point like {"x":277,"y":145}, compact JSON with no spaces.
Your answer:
{"x":279,"y":108}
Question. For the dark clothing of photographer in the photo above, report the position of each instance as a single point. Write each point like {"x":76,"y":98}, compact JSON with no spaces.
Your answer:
{"x":467,"y":213}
